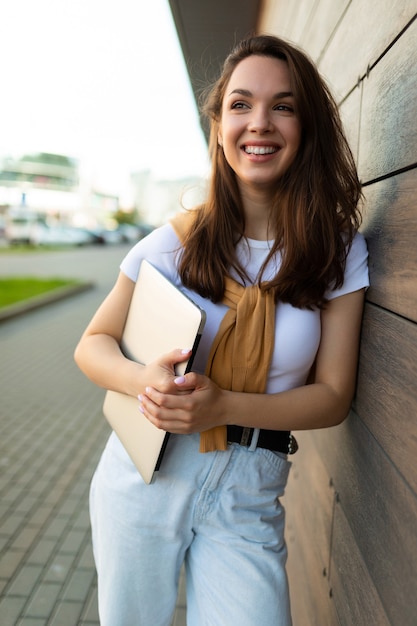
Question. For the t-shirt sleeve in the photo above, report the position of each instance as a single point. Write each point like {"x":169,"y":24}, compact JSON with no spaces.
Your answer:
{"x":356,"y":272}
{"x":159,"y":248}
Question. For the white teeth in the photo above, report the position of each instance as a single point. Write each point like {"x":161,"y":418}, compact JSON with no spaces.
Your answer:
{"x":260,"y":149}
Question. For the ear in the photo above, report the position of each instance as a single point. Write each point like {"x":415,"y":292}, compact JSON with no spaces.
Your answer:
{"x":220,"y":138}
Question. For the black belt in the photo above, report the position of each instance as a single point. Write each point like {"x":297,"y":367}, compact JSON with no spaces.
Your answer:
{"x":276,"y":440}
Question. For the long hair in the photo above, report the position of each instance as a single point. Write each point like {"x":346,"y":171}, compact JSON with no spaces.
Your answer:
{"x":315,"y":212}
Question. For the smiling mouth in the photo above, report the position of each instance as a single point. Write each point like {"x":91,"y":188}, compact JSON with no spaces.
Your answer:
{"x":260,"y":149}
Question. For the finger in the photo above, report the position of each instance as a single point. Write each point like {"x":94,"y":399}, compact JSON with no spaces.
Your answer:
{"x":176,"y":356}
{"x":165,"y":419}
{"x":159,"y":399}
{"x":188,"y":381}
{"x":151,"y":411}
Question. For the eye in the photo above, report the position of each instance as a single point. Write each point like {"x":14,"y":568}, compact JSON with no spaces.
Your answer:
{"x":284,"y":108}
{"x":239,"y":104}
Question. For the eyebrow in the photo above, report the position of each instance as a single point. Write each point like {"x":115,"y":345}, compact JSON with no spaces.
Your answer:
{"x":249,"y":94}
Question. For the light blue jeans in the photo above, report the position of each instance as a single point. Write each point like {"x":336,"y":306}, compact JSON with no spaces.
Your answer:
{"x":218,"y":512}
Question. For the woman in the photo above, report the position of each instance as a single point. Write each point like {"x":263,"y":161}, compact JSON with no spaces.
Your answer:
{"x":274,"y":258}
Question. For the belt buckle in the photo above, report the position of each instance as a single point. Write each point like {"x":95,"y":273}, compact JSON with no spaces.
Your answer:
{"x":246,"y":436}
{"x":292,"y":445}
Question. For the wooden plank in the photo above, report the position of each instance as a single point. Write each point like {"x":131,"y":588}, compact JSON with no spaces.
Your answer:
{"x":321,"y":25}
{"x":365,"y":32}
{"x":354,"y":594}
{"x":386,"y":397}
{"x":311,"y":602}
{"x":310,"y":23}
{"x":277,"y":18}
{"x":309,"y":500}
{"x":388,"y":139}
{"x":350,"y":113}
{"x":310,"y":495}
{"x":381,"y":510}
{"x":390,"y":227}
{"x":302,"y":11}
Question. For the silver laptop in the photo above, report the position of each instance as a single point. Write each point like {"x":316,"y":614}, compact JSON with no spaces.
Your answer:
{"x":161,"y":318}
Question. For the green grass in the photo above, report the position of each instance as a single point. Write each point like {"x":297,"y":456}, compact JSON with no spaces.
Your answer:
{"x":26,"y":248}
{"x":17,"y":289}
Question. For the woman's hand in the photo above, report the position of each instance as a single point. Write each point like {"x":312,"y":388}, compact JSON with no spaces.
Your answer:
{"x":161,"y":375}
{"x":196,"y":406}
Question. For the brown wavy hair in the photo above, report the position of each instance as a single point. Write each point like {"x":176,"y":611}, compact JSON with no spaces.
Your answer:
{"x":315,"y":212}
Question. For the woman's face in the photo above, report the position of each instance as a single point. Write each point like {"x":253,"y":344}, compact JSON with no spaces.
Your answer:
{"x":259,"y":128}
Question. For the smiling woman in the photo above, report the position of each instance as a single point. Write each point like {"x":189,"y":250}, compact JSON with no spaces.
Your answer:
{"x":274,"y":259}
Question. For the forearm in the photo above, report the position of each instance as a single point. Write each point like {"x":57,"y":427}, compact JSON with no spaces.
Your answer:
{"x":308,"y":407}
{"x":99,"y":357}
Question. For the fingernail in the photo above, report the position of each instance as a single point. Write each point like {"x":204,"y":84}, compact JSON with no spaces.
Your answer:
{"x":140,"y":397}
{"x":141,"y":409}
{"x":186,"y":351}
{"x":179,"y":380}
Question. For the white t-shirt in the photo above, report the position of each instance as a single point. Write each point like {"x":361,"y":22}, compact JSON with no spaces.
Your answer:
{"x":297,"y":331}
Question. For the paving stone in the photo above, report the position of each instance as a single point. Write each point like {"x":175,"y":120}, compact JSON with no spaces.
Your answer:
{"x":4,"y":508}
{"x":56,"y":527}
{"x":10,"y":610}
{"x":67,"y":614}
{"x":59,"y":568}
{"x":42,"y":551}
{"x":25,"y":581}
{"x":83,"y":518}
{"x":11,"y":523}
{"x":25,"y":538}
{"x":43,"y":600}
{"x":79,"y":585}
{"x":10,"y":561}
{"x":86,"y":559}
{"x":27,"y":502}
{"x":73,"y":541}
{"x":40,"y":515}
{"x":4,"y":542}
{"x":90,"y":613}
{"x":66,"y":508}
{"x":13,"y":494}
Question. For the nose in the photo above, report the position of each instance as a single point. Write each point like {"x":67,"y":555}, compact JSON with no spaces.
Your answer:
{"x":260,"y":121}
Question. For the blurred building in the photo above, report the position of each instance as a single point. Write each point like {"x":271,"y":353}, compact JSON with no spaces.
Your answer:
{"x":50,"y":185}
{"x":40,"y":171}
{"x":156,"y":200}
{"x":52,"y":188}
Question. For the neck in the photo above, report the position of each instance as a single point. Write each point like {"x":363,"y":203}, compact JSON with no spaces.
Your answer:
{"x":257,"y":211}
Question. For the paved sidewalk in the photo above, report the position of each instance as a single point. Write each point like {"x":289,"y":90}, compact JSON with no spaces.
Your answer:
{"x":51,"y":435}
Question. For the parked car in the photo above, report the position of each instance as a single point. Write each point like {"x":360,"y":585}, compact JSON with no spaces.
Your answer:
{"x":44,"y":235}
{"x":130,"y":232}
{"x":125,"y":233}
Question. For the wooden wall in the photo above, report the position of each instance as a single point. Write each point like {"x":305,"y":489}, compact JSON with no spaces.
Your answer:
{"x":352,"y":496}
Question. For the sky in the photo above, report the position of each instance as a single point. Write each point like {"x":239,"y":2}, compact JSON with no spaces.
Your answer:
{"x":103,"y":81}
